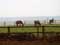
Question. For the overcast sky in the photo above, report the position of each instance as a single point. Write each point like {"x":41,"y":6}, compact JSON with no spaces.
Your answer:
{"x":28,"y":8}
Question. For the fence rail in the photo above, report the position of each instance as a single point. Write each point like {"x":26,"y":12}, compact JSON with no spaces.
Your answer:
{"x":27,"y":26}
{"x":37,"y":28}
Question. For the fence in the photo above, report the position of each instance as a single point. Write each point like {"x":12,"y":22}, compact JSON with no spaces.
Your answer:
{"x":43,"y":30}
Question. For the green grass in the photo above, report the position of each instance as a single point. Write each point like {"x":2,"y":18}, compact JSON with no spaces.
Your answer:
{"x":3,"y":30}
{"x":52,"y":25}
{"x":52,"y":29}
{"x":32,"y":29}
{"x":23,"y":29}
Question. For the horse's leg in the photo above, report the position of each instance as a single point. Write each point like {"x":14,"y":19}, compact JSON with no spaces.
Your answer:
{"x":17,"y":25}
{"x":22,"y":25}
{"x":39,"y":24}
{"x":49,"y":21}
{"x":35,"y":25}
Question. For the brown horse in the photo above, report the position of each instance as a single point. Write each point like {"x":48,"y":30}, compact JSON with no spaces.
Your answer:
{"x":37,"y":23}
{"x":19,"y":23}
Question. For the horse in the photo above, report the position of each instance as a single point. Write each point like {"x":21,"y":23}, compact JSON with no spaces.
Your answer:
{"x":51,"y":21}
{"x":37,"y":23}
{"x":19,"y":23}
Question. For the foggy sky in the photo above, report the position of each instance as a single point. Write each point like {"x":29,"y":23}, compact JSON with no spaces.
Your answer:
{"x":27,"y":8}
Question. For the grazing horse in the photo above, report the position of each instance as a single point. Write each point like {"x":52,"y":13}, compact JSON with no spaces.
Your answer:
{"x":37,"y":23}
{"x":19,"y":23}
{"x":51,"y":21}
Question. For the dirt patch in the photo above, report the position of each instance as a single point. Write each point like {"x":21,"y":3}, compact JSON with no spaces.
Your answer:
{"x":36,"y":42}
{"x":9,"y":42}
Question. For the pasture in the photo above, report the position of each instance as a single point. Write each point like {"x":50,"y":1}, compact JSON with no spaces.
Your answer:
{"x":47,"y":28}
{"x":13,"y":29}
{"x":37,"y":31}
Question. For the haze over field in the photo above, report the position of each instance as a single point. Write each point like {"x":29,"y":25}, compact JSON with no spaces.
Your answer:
{"x":27,"y":20}
{"x":28,"y":10}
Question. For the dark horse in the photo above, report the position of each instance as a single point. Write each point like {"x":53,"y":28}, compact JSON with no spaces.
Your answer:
{"x":37,"y":23}
{"x":19,"y":23}
{"x":51,"y":21}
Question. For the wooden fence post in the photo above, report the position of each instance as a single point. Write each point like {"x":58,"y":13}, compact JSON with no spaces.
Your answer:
{"x":43,"y":32}
{"x":8,"y":31}
{"x":38,"y":32}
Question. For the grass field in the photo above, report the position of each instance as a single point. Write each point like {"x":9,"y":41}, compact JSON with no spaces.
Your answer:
{"x":48,"y":28}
